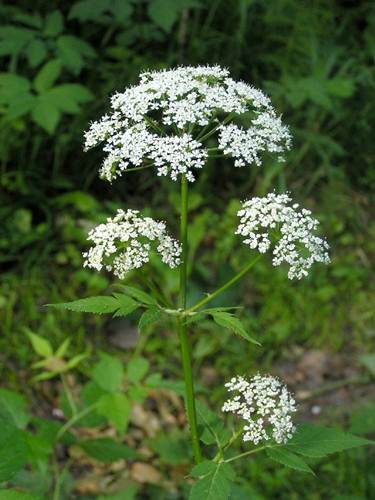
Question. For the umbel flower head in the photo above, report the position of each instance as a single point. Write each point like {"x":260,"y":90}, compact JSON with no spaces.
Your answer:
{"x":166,"y":119}
{"x":265,"y":405}
{"x":125,"y":241}
{"x":275,"y":218}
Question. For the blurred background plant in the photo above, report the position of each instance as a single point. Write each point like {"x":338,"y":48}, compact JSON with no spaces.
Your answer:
{"x":59,"y":63}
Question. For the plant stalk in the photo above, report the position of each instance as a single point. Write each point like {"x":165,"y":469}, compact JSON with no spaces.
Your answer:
{"x":182,"y":327}
{"x":229,"y":283}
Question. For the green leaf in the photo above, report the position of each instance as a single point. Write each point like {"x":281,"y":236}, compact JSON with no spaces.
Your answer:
{"x":368,"y":360}
{"x":289,"y":459}
{"x":72,"y":51}
{"x":164,"y":13}
{"x":173,"y":447}
{"x":101,"y":304}
{"x":47,"y":75}
{"x":139,"y":295}
{"x":363,"y":420}
{"x":61,"y":350}
{"x":231,"y":322}
{"x":107,"y":450}
{"x":149,"y":317}
{"x":69,"y":96}
{"x":316,"y":441}
{"x":54,"y":24}
{"x":213,"y":429}
{"x":45,"y":113}
{"x":116,"y":409}
{"x":18,"y":495}
{"x":126,"y":305}
{"x":14,"y":407}
{"x":40,"y":345}
{"x":108,"y":373}
{"x":36,"y":52}
{"x":137,"y":369}
{"x":13,"y":449}
{"x":89,"y":10}
{"x":215,"y":484}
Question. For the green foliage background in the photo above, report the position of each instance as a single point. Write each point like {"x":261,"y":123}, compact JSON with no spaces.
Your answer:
{"x":59,"y":63}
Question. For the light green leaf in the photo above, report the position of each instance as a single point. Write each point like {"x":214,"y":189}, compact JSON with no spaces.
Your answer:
{"x":107,"y":450}
{"x":61,"y":351}
{"x":116,"y":409}
{"x":69,"y":96}
{"x":215,"y":484}
{"x":149,"y":317}
{"x":316,"y":441}
{"x":18,"y":495}
{"x":231,"y":322}
{"x":289,"y":459}
{"x":14,"y":407}
{"x":126,"y":305}
{"x":137,"y":369}
{"x":108,"y":373}
{"x":40,"y":345}
{"x":368,"y":360}
{"x":47,"y":75}
{"x":102,"y":304}
{"x":13,"y":449}
{"x":139,"y":295}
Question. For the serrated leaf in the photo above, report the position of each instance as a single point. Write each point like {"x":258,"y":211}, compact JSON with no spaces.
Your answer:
{"x":231,"y":322}
{"x":316,"y":441}
{"x":40,"y":345}
{"x":126,"y":305}
{"x":137,"y":369}
{"x":108,"y":373}
{"x":139,"y":295}
{"x":47,"y":75}
{"x":116,"y":409}
{"x":215,"y":485}
{"x":101,"y":304}
{"x":149,"y":317}
{"x":285,"y":457}
{"x":45,"y":113}
{"x":107,"y":450}
{"x":203,"y":468}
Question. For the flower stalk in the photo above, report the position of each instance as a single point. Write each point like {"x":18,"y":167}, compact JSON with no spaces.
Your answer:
{"x":182,"y":327}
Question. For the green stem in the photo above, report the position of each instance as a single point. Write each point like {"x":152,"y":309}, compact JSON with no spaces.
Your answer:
{"x":251,"y":452}
{"x":69,"y":395}
{"x":232,"y":440}
{"x":229,"y":283}
{"x":75,"y":419}
{"x":183,"y":334}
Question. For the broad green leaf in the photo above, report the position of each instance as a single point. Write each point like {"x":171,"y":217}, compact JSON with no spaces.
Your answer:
{"x":215,"y":484}
{"x":45,"y":113}
{"x":116,"y":409}
{"x":14,"y":406}
{"x":108,"y":373}
{"x":12,"y":86}
{"x":102,"y":304}
{"x":47,"y":75}
{"x":137,"y":369}
{"x":89,"y":10}
{"x":203,"y":468}
{"x":107,"y":450}
{"x":289,"y":459}
{"x":40,"y":345}
{"x":139,"y":295}
{"x":368,"y":360}
{"x":173,"y":447}
{"x":164,"y":13}
{"x":149,"y":317}
{"x":13,"y":449}
{"x":126,"y":305}
{"x":36,"y":52}
{"x":54,"y":23}
{"x":72,"y":51}
{"x":231,"y":322}
{"x":316,"y":441}
{"x":39,"y":448}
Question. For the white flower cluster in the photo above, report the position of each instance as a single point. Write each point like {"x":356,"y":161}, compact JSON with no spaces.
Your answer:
{"x":124,"y":243}
{"x":271,"y":217}
{"x":159,"y":122}
{"x":266,"y":406}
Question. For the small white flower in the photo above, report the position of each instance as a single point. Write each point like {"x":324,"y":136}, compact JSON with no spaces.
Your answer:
{"x":162,"y":121}
{"x":265,"y":405}
{"x":124,"y":242}
{"x":271,"y":218}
